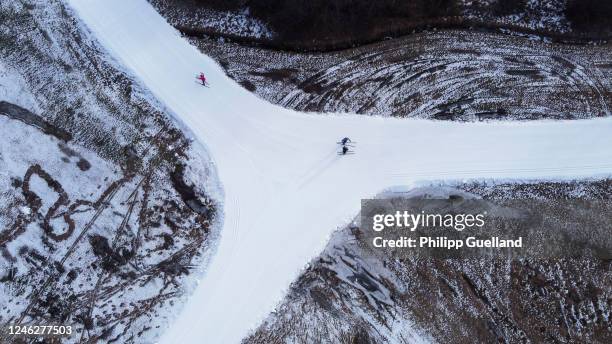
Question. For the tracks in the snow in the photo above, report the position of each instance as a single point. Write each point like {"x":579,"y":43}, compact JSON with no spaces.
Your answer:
{"x":453,"y":75}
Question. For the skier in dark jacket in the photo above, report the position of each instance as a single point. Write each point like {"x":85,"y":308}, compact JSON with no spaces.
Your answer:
{"x":345,"y":141}
{"x":344,"y":150}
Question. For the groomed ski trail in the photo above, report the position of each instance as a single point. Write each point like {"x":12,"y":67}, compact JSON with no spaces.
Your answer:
{"x":284,"y":194}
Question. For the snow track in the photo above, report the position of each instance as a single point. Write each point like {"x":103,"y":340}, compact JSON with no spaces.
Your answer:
{"x":284,"y":192}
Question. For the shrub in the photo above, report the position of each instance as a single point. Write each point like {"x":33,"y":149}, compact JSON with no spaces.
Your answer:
{"x":323,"y":19}
{"x":430,"y":9}
{"x":222,"y":5}
{"x":590,"y":15}
{"x":313,"y":20}
{"x":506,"y":7}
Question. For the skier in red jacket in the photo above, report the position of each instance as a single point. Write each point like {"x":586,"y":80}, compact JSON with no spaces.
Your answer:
{"x":202,"y":78}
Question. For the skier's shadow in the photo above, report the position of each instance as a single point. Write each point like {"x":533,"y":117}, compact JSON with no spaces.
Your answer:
{"x":318,"y":168}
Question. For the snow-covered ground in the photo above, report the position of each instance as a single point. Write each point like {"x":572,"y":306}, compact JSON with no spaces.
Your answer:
{"x":237,"y":23}
{"x":286,"y":189}
{"x":100,"y":222}
{"x":458,"y":75}
{"x":533,"y":14}
{"x":353,"y":293}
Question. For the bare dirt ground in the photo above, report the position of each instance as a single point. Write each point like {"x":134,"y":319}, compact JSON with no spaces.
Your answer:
{"x":447,"y":75}
{"x":350,"y":294}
